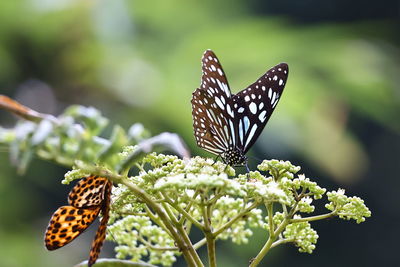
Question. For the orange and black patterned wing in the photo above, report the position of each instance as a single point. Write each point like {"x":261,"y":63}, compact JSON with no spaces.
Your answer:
{"x":101,"y":231}
{"x":67,"y":223}
{"x":88,"y":192}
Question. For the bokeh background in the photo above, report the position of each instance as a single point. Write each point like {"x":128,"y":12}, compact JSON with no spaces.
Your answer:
{"x":139,"y":61}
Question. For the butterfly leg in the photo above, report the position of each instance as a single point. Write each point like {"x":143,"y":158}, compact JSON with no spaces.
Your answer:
{"x":215,"y":160}
{"x":247,"y":167}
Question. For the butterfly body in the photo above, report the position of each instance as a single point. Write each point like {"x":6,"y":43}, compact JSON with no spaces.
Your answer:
{"x":234,"y":156}
{"x":227,"y":124}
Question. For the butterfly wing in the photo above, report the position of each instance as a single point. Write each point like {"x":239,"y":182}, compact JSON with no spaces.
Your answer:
{"x":88,"y":192}
{"x":67,"y":223}
{"x":101,"y":231}
{"x":210,"y":122}
{"x":253,"y":106}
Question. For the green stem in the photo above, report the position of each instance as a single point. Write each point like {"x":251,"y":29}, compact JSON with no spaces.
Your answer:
{"x":212,"y":261}
{"x":268,"y":245}
{"x":189,"y":206}
{"x":270,"y":209}
{"x":185,"y":214}
{"x":282,"y":241}
{"x":153,"y":247}
{"x":183,"y":246}
{"x":156,"y":220}
{"x":234,"y":219}
{"x":181,"y":231}
{"x":200,"y":243}
{"x":314,"y":218}
{"x":191,"y":249}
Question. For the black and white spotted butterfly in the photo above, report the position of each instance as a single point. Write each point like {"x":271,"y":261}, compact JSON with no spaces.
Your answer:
{"x":226,"y":124}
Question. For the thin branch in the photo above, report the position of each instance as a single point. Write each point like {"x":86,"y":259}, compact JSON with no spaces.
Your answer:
{"x":184,"y":213}
{"x":151,"y":246}
{"x":268,"y":245}
{"x":200,"y":243}
{"x":212,"y":262}
{"x":314,"y":218}
{"x":188,"y":207}
{"x":270,"y":210}
{"x":282,"y":241}
{"x":181,"y":231}
{"x":234,"y":219}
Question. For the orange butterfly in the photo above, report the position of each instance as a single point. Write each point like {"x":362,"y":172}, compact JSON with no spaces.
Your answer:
{"x":86,"y":199}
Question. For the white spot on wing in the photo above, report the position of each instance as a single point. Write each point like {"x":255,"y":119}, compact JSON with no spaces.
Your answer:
{"x":273,"y":98}
{"x":246,"y":122}
{"x":253,"y":107}
{"x":251,"y":134}
{"x":261,"y":117}
{"x":241,"y":131}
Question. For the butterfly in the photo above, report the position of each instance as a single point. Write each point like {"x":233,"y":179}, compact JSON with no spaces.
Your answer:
{"x":226,"y":124}
{"x":86,"y":199}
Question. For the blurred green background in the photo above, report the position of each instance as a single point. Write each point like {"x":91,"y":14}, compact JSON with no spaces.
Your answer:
{"x":139,"y":61}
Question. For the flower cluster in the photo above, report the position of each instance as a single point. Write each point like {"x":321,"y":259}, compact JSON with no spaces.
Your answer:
{"x":200,"y":193}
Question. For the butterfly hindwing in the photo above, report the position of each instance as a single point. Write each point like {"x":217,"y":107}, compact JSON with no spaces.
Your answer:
{"x":67,"y":223}
{"x":101,"y":231}
{"x":209,"y":107}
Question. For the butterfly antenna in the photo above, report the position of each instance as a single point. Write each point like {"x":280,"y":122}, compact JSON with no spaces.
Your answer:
{"x":112,"y":236}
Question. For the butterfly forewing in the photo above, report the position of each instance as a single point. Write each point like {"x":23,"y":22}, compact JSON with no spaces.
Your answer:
{"x":67,"y":223}
{"x":210,"y":123}
{"x":88,"y":192}
{"x":254,"y":105}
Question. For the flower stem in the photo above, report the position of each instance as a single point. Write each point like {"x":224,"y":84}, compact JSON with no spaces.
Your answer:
{"x":271,"y":239}
{"x":314,"y":218}
{"x":212,"y":262}
{"x":234,"y":219}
